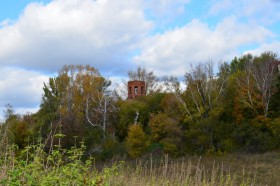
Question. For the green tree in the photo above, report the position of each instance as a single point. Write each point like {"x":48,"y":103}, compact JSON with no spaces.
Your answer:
{"x":5,"y":134}
{"x":255,"y":135}
{"x":205,"y":89}
{"x":127,"y":113}
{"x":166,"y":131}
{"x":136,"y":141}
{"x":255,"y":83}
{"x":274,"y":107}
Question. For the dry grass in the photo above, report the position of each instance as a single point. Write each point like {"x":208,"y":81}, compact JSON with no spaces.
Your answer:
{"x":265,"y":166}
{"x":232,"y":169}
{"x":2,"y":174}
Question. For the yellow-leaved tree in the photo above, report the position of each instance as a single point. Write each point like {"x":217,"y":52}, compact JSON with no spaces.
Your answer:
{"x":137,"y":141}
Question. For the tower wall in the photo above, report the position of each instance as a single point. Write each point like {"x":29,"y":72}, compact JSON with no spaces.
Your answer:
{"x":136,"y":89}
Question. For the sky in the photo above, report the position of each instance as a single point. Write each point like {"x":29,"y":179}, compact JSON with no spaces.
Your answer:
{"x":165,"y":36}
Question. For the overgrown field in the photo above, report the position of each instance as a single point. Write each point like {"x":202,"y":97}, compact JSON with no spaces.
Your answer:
{"x":232,"y":169}
{"x":33,"y":166}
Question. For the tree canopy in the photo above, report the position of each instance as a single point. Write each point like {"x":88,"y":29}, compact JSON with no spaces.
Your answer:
{"x":224,"y":107}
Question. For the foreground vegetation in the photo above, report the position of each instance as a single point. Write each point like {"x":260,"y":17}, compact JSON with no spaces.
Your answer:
{"x":69,"y":167}
{"x":232,"y":169}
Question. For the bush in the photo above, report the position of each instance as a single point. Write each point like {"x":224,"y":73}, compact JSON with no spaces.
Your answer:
{"x":166,"y":131}
{"x":60,"y":167}
{"x":111,"y":148}
{"x":254,"y":136}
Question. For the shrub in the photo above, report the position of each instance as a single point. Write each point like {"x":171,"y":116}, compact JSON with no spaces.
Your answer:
{"x":60,"y":167}
{"x":254,"y":136}
{"x":166,"y":131}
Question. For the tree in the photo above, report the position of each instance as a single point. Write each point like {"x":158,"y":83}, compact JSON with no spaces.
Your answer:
{"x":166,"y":131}
{"x":5,"y":139}
{"x":127,"y":113}
{"x":136,"y":141}
{"x":255,"y":135}
{"x":205,"y":89}
{"x":103,"y":105}
{"x":257,"y":81}
{"x":264,"y":72}
{"x":274,"y":107}
{"x":17,"y":129}
{"x":21,"y":132}
{"x":172,"y":86}
{"x":77,"y":98}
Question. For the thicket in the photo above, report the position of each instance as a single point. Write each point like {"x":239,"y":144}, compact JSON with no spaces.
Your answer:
{"x":34,"y":166}
{"x":234,"y":107}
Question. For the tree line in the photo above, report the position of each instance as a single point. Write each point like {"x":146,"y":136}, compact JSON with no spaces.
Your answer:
{"x":223,"y":108}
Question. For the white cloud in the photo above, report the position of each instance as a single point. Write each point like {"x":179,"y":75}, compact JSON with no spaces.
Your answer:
{"x":70,"y":31}
{"x":173,"y":51}
{"x":265,"y":47}
{"x":21,"y":88}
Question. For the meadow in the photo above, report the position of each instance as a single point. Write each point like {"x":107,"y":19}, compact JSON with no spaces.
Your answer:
{"x":231,"y":169}
{"x":68,"y":167}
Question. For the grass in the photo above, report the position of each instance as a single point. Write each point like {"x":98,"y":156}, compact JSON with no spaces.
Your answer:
{"x":65,"y":167}
{"x":231,"y":169}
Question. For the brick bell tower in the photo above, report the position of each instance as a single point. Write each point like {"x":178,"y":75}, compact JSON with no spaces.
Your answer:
{"x":136,"y":89}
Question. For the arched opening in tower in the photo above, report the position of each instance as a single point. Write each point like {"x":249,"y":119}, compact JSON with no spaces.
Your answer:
{"x":136,"y":90}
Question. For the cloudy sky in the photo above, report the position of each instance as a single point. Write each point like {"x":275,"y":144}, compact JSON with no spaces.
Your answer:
{"x":38,"y":37}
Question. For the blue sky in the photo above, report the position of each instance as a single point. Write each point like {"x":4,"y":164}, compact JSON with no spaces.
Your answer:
{"x":11,"y":9}
{"x":38,"y":37}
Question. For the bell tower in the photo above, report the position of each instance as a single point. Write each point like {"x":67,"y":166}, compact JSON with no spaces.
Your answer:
{"x":136,"y":89}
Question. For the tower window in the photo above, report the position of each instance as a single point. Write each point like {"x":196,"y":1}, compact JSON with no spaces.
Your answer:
{"x":136,"y":89}
{"x":129,"y":90}
{"x":142,"y":90}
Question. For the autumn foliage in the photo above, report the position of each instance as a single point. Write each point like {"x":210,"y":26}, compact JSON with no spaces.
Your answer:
{"x":221,"y":108}
{"x":136,"y":141}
